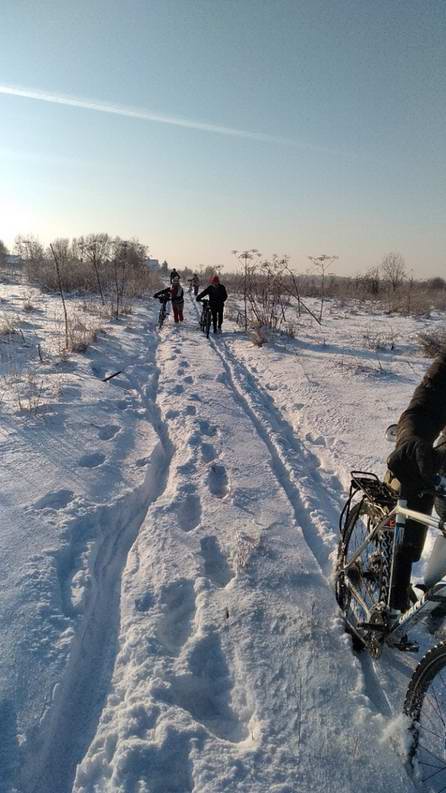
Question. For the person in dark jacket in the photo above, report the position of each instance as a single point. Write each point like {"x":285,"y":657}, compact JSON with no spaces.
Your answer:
{"x":177,"y":297}
{"x":415,"y":462}
{"x":217,"y":297}
{"x":173,"y":275}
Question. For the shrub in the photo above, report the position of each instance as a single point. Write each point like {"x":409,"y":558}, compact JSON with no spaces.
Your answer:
{"x":432,"y":342}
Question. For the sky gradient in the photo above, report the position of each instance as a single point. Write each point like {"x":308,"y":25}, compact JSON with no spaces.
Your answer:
{"x":200,"y":126}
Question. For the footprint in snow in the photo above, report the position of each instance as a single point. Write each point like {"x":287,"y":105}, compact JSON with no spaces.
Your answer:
{"x":206,"y":428}
{"x":215,"y":564}
{"x":108,"y":432}
{"x":188,"y":509}
{"x":205,"y":690}
{"x":59,"y":499}
{"x":183,"y":365}
{"x":178,"y":389}
{"x":178,"y":609}
{"x":92,"y":460}
{"x":144,"y":602}
{"x":190,"y":410}
{"x":217,"y":480}
{"x":189,"y":379}
{"x":208,"y":452}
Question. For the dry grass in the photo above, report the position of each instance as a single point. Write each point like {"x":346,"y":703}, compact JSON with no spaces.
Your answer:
{"x":432,"y":342}
{"x":9,"y":325}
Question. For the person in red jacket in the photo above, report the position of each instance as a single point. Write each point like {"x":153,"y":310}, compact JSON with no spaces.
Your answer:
{"x":217,"y":297}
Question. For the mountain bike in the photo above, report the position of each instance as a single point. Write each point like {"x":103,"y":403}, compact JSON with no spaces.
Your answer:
{"x":372,"y":526}
{"x":163,"y":311}
{"x":205,"y":317}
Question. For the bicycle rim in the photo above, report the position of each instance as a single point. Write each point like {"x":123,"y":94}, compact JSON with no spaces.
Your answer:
{"x":426,"y":707}
{"x":368,"y":575}
{"x":208,"y":323}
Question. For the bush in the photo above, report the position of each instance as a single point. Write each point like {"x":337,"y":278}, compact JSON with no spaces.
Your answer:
{"x":432,"y":342}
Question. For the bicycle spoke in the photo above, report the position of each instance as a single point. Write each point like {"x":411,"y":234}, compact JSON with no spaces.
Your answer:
{"x":437,"y":709}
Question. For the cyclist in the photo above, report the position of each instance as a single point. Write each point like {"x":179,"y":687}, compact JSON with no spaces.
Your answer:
{"x":173,"y":275}
{"x":415,"y":462}
{"x":177,"y":297}
{"x":195,"y":283}
{"x":217,"y":297}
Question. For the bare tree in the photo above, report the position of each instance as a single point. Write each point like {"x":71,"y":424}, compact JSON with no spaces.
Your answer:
{"x":32,"y":252}
{"x":60,"y":252}
{"x":3,"y":254}
{"x":393,"y":268}
{"x":96,"y":249}
{"x":322,"y":263}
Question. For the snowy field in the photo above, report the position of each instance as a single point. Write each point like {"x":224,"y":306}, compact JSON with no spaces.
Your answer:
{"x":167,"y":540}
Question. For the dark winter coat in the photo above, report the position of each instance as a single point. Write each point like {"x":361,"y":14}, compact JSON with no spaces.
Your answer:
{"x":173,"y":275}
{"x":425,"y":417}
{"x":217,"y":295}
{"x":177,"y":294}
{"x":163,"y":294}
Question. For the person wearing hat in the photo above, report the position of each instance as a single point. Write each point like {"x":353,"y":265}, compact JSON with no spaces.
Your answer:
{"x":217,"y":296}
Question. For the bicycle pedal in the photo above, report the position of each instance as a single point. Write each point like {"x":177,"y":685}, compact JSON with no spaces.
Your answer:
{"x":373,"y":626}
{"x":406,"y":645}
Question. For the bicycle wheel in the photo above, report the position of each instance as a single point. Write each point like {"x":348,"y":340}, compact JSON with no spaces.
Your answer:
{"x":425,"y":705}
{"x":362,"y":585}
{"x":208,"y":322}
{"x":162,"y":317}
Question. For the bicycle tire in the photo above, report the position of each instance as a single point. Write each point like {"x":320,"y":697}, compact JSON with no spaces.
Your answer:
{"x":162,"y":316}
{"x":208,"y":322}
{"x":370,"y":573}
{"x":425,"y":705}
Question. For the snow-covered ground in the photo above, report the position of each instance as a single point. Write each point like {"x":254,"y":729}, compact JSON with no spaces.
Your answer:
{"x":167,"y":540}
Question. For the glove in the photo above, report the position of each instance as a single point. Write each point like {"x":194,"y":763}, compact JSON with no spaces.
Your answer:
{"x":413,"y":464}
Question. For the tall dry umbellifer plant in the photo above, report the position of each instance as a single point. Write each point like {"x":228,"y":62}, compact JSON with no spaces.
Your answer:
{"x":246,"y":258}
{"x":322,"y":264}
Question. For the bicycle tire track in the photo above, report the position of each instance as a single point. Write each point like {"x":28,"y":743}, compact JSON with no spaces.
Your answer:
{"x":291,"y":462}
{"x":50,"y":763}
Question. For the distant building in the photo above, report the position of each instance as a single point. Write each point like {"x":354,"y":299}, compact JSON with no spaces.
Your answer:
{"x":153,"y":264}
{"x":13,"y":262}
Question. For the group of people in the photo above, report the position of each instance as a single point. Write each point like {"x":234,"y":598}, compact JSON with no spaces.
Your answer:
{"x":215,"y":291}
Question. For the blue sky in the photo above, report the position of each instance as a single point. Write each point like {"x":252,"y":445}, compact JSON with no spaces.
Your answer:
{"x":345,"y":100}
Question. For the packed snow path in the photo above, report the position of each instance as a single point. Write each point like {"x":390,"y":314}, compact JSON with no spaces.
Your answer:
{"x":183,"y":630}
{"x":233,"y":672}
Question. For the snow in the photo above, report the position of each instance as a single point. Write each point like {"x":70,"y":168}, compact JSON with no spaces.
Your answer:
{"x":167,"y":545}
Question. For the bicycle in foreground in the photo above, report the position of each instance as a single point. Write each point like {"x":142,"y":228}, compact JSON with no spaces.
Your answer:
{"x":205,"y":317}
{"x":371,"y":524}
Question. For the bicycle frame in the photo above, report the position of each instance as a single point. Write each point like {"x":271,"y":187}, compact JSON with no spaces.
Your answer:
{"x":395,"y":521}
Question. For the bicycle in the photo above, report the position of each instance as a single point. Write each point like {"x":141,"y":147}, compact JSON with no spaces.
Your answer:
{"x":372,"y":526}
{"x":205,"y":317}
{"x":163,"y":311}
